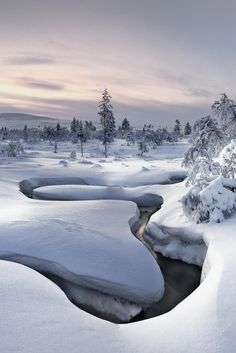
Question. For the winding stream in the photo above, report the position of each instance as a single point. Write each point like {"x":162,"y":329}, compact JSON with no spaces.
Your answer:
{"x":181,"y":278}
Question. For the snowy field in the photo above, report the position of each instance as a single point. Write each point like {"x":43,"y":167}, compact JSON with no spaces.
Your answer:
{"x":78,"y":224}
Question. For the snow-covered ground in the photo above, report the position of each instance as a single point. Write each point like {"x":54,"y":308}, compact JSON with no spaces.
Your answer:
{"x":92,"y":241}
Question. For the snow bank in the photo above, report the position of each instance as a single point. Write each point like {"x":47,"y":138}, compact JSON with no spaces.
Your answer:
{"x":28,"y":185}
{"x":74,"y":240}
{"x":171,"y":233}
{"x":36,"y":315}
{"x":138,"y":195}
{"x":176,"y":243}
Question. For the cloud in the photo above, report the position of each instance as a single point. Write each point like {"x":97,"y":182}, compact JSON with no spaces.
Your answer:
{"x":30,"y":60}
{"x":199,"y":92}
{"x":36,"y":84}
{"x":159,"y":115}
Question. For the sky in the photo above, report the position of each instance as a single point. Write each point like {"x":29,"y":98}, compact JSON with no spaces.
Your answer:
{"x":160,"y":60}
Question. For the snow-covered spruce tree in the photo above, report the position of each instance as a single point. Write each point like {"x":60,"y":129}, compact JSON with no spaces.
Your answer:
{"x":177,"y":129}
{"x":125,"y":127}
{"x":225,"y":110}
{"x":73,"y":130}
{"x":107,"y":119}
{"x":89,"y":130}
{"x":73,"y":125}
{"x":227,"y":160}
{"x":187,"y":129}
{"x":25,"y":134}
{"x":208,"y":141}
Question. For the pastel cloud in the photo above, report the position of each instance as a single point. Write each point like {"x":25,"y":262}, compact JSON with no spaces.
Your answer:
{"x":160,"y":60}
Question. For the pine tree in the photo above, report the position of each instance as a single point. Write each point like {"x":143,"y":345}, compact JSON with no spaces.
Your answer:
{"x":73,"y":130}
{"x":125,"y":126}
{"x":73,"y":126}
{"x":177,"y":129}
{"x":107,"y":119}
{"x":187,"y":129}
{"x":25,"y":133}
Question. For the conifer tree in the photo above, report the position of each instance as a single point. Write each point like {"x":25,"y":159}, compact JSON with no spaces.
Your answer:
{"x":187,"y":129}
{"x":177,"y":129}
{"x":107,"y":119}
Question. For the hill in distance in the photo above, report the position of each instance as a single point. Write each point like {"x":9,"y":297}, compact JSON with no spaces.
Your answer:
{"x":19,"y":120}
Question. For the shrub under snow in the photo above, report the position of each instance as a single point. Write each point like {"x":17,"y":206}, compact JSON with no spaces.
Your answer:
{"x":73,"y":156}
{"x":212,"y":203}
{"x":208,"y":140}
{"x":12,"y":149}
{"x":227,"y":160}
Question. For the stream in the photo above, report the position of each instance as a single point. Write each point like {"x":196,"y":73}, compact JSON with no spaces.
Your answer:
{"x":181,"y":278}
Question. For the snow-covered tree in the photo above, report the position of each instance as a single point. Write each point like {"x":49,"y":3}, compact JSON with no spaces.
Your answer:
{"x":12,"y":149}
{"x":227,"y":160}
{"x":212,"y":195}
{"x":48,"y":133}
{"x":177,"y":129}
{"x":81,"y":136}
{"x":25,"y":133}
{"x":212,"y":203}
{"x":208,"y":140}
{"x":187,"y":129}
{"x":107,"y":119}
{"x":125,"y":127}
{"x":73,"y":155}
{"x":73,"y":125}
{"x":142,"y":146}
{"x":130,"y":138}
{"x":225,"y":110}
{"x":89,"y":130}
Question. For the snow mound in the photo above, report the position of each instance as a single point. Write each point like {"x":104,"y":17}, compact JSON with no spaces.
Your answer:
{"x":176,"y":243}
{"x":212,"y":203}
{"x":63,"y":163}
{"x":71,"y":240}
{"x":85,"y":161}
{"x":97,"y":166}
{"x":138,"y":195}
{"x":28,"y":185}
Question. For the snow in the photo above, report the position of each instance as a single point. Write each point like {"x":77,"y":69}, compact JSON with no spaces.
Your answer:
{"x":140,"y":195}
{"x":168,"y":232}
{"x":37,"y":315}
{"x":77,"y":242}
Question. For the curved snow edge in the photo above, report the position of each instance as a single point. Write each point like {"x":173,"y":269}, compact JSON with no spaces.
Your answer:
{"x":27,"y":186}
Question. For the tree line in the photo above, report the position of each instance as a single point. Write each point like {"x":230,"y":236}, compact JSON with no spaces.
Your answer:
{"x":80,"y":131}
